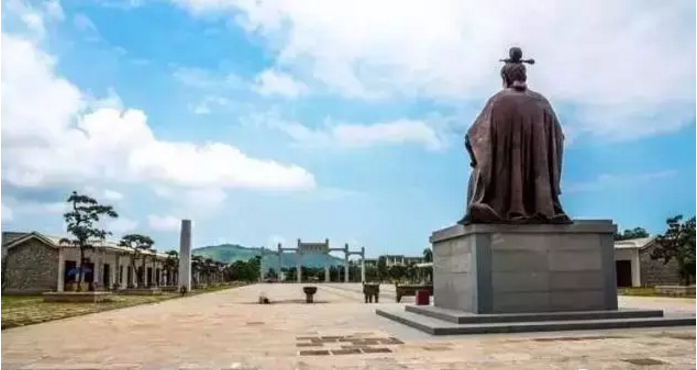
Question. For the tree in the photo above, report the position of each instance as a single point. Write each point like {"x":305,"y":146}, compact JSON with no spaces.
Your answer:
{"x":678,"y":242}
{"x":138,"y":244}
{"x":397,"y":272}
{"x":635,"y":233}
{"x":411,"y":272}
{"x":428,"y":255}
{"x":171,"y":264}
{"x":382,"y":268}
{"x":82,"y":226}
{"x":197,"y":267}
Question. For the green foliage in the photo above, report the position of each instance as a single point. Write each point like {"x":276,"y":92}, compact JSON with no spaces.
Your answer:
{"x":138,"y":244}
{"x":428,"y":255}
{"x":382,"y":268}
{"x":246,"y":271}
{"x":635,"y":233}
{"x":678,"y":242}
{"x":82,"y":226}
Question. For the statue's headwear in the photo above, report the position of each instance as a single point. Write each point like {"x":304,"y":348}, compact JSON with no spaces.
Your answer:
{"x":513,"y":72}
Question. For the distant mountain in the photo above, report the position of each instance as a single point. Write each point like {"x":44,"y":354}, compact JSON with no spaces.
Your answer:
{"x":229,"y":253}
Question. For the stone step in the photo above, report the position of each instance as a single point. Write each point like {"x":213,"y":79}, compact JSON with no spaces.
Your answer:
{"x":461,"y":317}
{"x":439,"y":327}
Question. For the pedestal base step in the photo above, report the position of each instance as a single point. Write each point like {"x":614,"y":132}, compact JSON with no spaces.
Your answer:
{"x":592,"y":321}
{"x":462,"y":317}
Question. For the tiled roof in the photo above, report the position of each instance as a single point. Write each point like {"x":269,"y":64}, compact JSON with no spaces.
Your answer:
{"x":108,"y":244}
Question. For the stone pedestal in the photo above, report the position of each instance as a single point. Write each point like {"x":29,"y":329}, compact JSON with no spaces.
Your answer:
{"x":525,"y":268}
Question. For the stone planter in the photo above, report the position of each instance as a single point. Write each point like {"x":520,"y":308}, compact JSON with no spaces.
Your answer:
{"x":77,"y":297}
{"x":309,"y":293}
{"x":371,"y":291}
{"x":141,"y":291}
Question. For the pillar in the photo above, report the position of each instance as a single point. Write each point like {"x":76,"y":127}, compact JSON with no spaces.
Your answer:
{"x":299,"y":267}
{"x":185,"y":255}
{"x":326,"y":274}
{"x":97,"y":273}
{"x":61,"y":270}
{"x":114,"y":271}
{"x":279,"y":273}
{"x":117,"y":270}
{"x":346,"y":263}
{"x":363,"y":264}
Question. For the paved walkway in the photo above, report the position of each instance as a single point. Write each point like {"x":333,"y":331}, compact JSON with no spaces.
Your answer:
{"x":228,"y":330}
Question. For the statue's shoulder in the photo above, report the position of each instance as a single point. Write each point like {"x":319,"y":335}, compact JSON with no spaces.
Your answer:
{"x":537,"y":96}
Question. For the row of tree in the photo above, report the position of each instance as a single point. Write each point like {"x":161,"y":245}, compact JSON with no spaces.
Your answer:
{"x":84,"y":230}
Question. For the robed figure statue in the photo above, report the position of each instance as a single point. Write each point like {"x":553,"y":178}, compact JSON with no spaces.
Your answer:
{"x":515,"y":148}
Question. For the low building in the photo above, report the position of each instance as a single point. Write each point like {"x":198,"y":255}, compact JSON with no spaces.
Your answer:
{"x":34,"y":262}
{"x":373,"y":262}
{"x":394,"y":260}
{"x":635,"y":267}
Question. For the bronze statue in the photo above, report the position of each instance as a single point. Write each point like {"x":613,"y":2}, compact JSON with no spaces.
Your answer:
{"x":515,"y":148}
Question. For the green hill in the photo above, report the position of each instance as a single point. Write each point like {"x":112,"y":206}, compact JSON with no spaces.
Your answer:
{"x":229,"y":253}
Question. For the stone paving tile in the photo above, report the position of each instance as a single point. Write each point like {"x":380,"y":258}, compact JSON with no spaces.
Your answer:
{"x":226,"y":330}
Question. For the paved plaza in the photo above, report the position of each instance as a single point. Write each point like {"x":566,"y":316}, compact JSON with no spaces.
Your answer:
{"x":229,"y":330}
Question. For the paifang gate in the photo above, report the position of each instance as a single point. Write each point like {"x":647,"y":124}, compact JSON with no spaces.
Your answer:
{"x":319,"y":248}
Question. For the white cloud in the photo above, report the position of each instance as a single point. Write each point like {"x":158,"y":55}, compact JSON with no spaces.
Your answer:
{"x":272,"y":82}
{"x":84,"y":24}
{"x":15,"y":209}
{"x":201,"y":78}
{"x":274,"y":240}
{"x":617,"y":63}
{"x":610,"y":180}
{"x":36,"y":16}
{"x":103,"y":194}
{"x":66,"y":141}
{"x":6,"y":213}
{"x":208,"y":103}
{"x":164,"y":223}
{"x":201,"y":199}
{"x":121,"y":225}
{"x":350,"y":135}
{"x":112,"y":195}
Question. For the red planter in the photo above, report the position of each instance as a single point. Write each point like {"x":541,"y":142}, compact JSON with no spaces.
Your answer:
{"x":422,"y":298}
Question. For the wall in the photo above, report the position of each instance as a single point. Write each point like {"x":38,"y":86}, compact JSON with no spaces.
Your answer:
{"x":655,"y":272}
{"x":32,"y":267}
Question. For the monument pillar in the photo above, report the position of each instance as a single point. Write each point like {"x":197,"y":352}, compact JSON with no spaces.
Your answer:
{"x":185,"y":255}
{"x":363,"y":264}
{"x":346,"y":263}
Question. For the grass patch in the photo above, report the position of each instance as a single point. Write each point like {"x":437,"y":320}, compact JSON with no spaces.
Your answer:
{"x":646,"y":292}
{"x":642,"y":291}
{"x":20,"y":310}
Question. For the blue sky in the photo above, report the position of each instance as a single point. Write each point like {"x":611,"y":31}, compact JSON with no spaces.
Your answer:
{"x":265,"y":122}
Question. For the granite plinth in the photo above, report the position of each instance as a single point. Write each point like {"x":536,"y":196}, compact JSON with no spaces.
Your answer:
{"x":492,"y":268}
{"x":441,"y":322}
